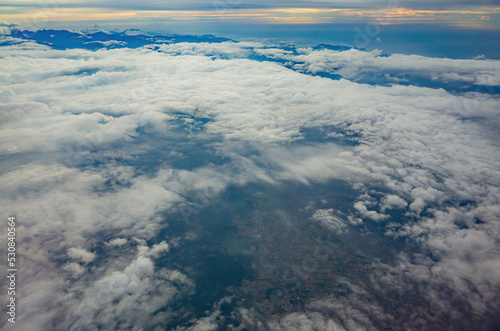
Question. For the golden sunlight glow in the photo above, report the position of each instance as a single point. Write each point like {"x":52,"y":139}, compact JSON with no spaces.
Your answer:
{"x":279,"y":15}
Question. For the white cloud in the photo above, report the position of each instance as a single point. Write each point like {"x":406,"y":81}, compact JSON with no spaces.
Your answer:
{"x":360,"y":206}
{"x":352,"y":64}
{"x":306,"y":322}
{"x":81,"y":254}
{"x":74,"y":268}
{"x":71,"y":136}
{"x":127,"y":298}
{"x":392,"y":201}
{"x":117,"y":242}
{"x":330,"y":221}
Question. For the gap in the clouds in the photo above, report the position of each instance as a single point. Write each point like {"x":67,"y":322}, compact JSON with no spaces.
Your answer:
{"x":247,"y":240}
{"x":390,"y":78}
{"x":214,"y":258}
{"x":327,"y":134}
{"x":187,"y":146}
{"x":184,"y":147}
{"x":81,"y":72}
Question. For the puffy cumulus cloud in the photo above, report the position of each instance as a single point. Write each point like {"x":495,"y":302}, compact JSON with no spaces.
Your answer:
{"x":222,"y":50}
{"x":74,"y":268}
{"x":108,"y":296}
{"x":48,"y":196}
{"x":117,"y":242}
{"x":348,"y":309}
{"x":392,"y":201}
{"x":81,"y":254}
{"x":63,"y":217}
{"x":330,"y":221}
{"x":360,"y":206}
{"x":6,"y":28}
{"x":127,"y":298}
{"x":95,"y":142}
{"x":306,"y":321}
{"x":205,"y":324}
{"x":159,"y":249}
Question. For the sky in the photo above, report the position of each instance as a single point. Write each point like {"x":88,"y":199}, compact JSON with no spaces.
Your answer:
{"x":263,"y":182}
{"x":480,"y":14}
{"x":457,"y":29}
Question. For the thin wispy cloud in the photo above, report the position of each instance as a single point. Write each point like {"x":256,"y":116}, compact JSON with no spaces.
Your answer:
{"x":289,"y":12}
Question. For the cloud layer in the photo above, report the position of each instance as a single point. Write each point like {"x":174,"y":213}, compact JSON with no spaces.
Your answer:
{"x":102,"y":148}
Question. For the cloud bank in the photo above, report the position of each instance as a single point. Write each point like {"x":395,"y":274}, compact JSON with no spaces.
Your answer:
{"x":101,"y":149}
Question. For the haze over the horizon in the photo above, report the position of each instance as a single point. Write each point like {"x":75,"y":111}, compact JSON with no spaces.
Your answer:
{"x":456,"y":29}
{"x":477,"y":14}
